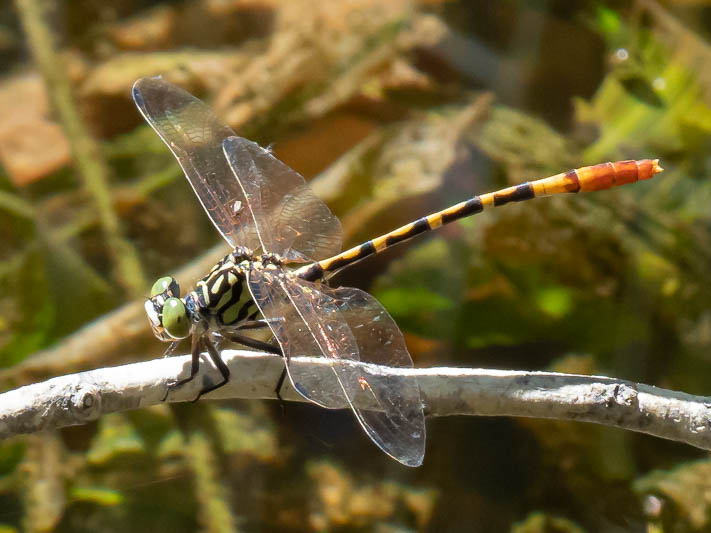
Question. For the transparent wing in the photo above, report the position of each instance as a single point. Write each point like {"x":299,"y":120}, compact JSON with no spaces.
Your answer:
{"x":291,"y":220}
{"x":346,"y":325}
{"x":194,"y":134}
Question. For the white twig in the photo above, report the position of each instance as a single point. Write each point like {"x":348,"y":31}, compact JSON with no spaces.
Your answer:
{"x":78,"y":398}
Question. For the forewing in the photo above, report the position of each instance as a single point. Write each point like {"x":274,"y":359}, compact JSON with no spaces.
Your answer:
{"x":346,"y":325}
{"x":291,"y":220}
{"x":194,"y":134}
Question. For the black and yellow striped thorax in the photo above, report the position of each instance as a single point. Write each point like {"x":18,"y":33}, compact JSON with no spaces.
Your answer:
{"x":222,"y":297}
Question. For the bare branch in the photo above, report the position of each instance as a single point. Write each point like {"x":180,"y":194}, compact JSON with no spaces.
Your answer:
{"x":78,"y":398}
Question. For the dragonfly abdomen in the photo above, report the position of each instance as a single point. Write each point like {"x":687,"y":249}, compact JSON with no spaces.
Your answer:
{"x":591,"y":178}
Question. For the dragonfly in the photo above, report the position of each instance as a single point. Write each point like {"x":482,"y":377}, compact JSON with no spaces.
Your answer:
{"x":285,"y":244}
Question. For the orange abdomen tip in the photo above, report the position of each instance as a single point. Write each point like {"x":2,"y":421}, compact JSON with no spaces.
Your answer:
{"x":606,"y":175}
{"x":648,"y":168}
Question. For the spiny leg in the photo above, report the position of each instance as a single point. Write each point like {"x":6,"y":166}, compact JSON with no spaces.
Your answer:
{"x":249,"y":342}
{"x":282,"y":377}
{"x":279,"y":385}
{"x":253,"y":324}
{"x":219,"y":363}
{"x":194,"y":365}
{"x":171,"y":348}
{"x":264,"y":346}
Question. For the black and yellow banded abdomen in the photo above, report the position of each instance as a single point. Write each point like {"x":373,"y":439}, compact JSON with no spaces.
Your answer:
{"x":592,"y":178}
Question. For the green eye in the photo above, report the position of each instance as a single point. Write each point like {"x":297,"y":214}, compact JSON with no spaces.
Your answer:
{"x":166,"y":283}
{"x":175,"y":318}
{"x":160,"y":286}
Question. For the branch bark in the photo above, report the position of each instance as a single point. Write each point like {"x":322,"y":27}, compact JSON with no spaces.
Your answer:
{"x":78,"y":398}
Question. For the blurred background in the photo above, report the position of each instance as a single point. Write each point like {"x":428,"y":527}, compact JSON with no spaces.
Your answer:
{"x":391,"y":110}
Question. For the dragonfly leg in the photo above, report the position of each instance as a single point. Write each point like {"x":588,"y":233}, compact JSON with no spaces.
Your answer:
{"x":194,"y":367}
{"x":264,"y":346}
{"x":279,"y":385}
{"x":221,"y":366}
{"x":253,"y":324}
{"x":249,"y":342}
{"x":171,"y":348}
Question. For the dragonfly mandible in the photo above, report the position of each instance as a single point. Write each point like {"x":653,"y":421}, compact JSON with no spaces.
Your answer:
{"x":285,"y":241}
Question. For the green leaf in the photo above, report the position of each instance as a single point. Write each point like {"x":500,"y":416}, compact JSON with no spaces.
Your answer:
{"x":402,"y":301}
{"x":98,"y":495}
{"x":117,"y":436}
{"x":554,"y":301}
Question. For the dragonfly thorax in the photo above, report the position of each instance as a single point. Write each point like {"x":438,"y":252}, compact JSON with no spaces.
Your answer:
{"x":222,"y":298}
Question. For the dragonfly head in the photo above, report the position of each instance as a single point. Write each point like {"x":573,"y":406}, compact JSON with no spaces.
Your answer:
{"x":166,"y":310}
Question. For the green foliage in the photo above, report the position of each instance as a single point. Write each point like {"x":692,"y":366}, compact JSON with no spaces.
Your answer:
{"x":116,"y":437}
{"x":554,"y":301}
{"x":97,"y":495}
{"x":251,"y":433}
{"x":543,"y":523}
{"x":11,"y":454}
{"x":678,"y":498}
{"x":651,"y":98}
{"x":29,"y":315}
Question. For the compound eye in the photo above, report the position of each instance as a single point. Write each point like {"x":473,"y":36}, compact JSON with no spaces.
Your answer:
{"x":166,"y":283}
{"x":175,"y":318}
{"x":160,"y":286}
